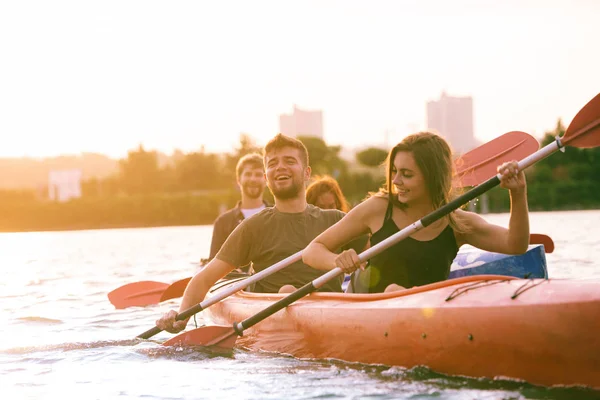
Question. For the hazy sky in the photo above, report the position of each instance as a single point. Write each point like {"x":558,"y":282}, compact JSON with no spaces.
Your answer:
{"x":103,"y":76}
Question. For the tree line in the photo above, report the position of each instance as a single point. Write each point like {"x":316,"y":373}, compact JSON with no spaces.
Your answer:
{"x":194,"y":187}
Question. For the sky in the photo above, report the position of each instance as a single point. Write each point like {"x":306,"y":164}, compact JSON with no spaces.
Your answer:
{"x":105,"y":76}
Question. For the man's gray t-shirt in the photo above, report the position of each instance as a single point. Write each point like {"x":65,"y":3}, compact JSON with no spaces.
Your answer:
{"x":270,"y":236}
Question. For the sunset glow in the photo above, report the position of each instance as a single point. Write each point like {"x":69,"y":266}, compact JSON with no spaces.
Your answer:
{"x":106,"y":76}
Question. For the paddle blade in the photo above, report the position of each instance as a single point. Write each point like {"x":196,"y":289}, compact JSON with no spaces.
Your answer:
{"x":584,"y":130}
{"x":538,"y":238}
{"x":480,"y":164}
{"x":175,"y":289}
{"x":141,"y":293}
{"x":210,"y":335}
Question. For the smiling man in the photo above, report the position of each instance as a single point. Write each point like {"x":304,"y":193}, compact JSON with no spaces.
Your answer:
{"x":270,"y":235}
{"x":250,"y":177}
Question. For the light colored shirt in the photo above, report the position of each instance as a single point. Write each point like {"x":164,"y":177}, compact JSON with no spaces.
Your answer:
{"x":248,"y":212}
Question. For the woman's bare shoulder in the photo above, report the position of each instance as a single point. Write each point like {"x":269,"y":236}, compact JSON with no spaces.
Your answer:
{"x":373,"y":204}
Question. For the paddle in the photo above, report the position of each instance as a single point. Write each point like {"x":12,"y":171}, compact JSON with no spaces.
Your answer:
{"x":510,"y":145}
{"x":235,"y":288}
{"x":176,"y":289}
{"x":583,"y":132}
{"x":146,"y":292}
{"x":137,"y":294}
{"x":472,"y":168}
{"x":538,"y":238}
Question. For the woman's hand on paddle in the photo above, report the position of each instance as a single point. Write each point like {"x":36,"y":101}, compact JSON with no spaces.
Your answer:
{"x":169,"y":323}
{"x":512,"y":179}
{"x":348,"y":261}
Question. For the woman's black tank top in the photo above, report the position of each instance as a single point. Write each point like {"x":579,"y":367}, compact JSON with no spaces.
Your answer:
{"x":410,"y":262}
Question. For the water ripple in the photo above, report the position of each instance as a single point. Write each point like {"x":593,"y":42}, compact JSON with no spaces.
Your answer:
{"x":61,"y":335}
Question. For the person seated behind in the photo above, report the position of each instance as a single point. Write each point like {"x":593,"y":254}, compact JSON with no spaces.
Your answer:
{"x":325,"y":192}
{"x":250,"y":178}
{"x":419,"y":181}
{"x":270,"y":235}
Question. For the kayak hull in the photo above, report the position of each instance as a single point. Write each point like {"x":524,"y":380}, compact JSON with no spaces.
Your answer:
{"x":541,"y":331}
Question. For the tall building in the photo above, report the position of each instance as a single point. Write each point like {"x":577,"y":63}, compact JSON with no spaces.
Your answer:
{"x":302,"y":123}
{"x":452,"y":117}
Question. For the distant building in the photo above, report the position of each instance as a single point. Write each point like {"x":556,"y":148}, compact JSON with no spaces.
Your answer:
{"x":452,"y":117}
{"x":302,"y":123}
{"x":64,"y":185}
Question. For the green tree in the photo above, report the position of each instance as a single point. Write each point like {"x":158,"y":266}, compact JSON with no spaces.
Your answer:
{"x":246,"y":145}
{"x":567,"y":180}
{"x":371,"y":157}
{"x":324,"y":159}
{"x":198,"y":171}
{"x":139,"y":172}
{"x":90,"y":187}
{"x":357,"y":185}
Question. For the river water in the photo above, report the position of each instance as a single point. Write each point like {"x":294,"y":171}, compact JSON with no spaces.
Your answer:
{"x":60,"y":336}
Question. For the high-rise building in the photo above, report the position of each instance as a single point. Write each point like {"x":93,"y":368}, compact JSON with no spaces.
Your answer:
{"x":302,"y":123}
{"x":452,"y":117}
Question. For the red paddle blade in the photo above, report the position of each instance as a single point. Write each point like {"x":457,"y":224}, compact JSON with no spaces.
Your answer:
{"x":140,"y":293}
{"x":480,"y":164}
{"x":538,"y":238}
{"x":175,"y":289}
{"x":584,"y":130}
{"x":210,"y":335}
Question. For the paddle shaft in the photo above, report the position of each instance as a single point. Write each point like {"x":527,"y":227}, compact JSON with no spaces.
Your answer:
{"x":430,"y":218}
{"x":494,"y":151}
{"x":226,"y":293}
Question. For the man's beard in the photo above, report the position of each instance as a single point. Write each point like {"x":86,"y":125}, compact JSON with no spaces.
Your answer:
{"x":289,"y":192}
{"x":252,"y":192}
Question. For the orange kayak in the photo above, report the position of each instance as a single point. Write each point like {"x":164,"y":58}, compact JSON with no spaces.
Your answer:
{"x":542,"y":331}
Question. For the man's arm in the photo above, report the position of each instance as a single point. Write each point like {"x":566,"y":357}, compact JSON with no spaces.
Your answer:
{"x":194,"y":293}
{"x":218,"y":237}
{"x":202,"y":282}
{"x":232,"y":254}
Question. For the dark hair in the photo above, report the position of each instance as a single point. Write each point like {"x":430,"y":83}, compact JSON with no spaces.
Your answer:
{"x":326,"y":184}
{"x":252,"y":159}
{"x":280,"y":141}
{"x":433,"y":156}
